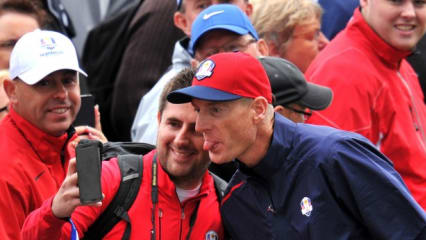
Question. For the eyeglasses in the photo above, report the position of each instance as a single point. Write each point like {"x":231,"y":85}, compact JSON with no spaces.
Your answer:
{"x":234,"y":46}
{"x":306,"y":114}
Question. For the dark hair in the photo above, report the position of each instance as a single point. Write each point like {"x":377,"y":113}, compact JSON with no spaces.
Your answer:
{"x":25,"y":7}
{"x":181,"y":80}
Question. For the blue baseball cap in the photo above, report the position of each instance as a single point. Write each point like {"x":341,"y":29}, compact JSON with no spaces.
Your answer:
{"x":220,"y":16}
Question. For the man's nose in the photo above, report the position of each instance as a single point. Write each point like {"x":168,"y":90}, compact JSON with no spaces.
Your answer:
{"x":61,"y":91}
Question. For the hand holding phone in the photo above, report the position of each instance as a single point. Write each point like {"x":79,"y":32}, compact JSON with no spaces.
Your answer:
{"x":89,"y":170}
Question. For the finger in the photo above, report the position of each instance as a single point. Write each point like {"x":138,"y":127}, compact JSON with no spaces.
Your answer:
{"x":73,"y":179}
{"x":72,"y":166}
{"x":98,"y":125}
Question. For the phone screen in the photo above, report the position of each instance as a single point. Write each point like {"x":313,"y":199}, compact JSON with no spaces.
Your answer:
{"x":86,"y":115}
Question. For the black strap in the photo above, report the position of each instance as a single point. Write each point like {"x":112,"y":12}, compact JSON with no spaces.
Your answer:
{"x":220,"y":186}
{"x":131,"y":167}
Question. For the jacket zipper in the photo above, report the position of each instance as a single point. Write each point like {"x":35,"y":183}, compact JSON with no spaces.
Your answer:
{"x":160,"y":216}
{"x":182,"y":217}
{"x":417,"y":123}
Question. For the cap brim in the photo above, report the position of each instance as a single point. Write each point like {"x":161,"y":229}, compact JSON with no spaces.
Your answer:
{"x":38,"y":73}
{"x":317,"y":97}
{"x":185,"y":95}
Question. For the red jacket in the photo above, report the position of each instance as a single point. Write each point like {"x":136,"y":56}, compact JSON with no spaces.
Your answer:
{"x":31,"y":171}
{"x":172,"y":218}
{"x":376,"y":94}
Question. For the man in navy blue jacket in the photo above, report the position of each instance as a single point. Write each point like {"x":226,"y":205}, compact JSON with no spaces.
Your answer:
{"x":295,"y":181}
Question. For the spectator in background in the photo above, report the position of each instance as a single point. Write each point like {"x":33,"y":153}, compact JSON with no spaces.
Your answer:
{"x":336,"y":14}
{"x":4,"y":100}
{"x":17,"y":17}
{"x":376,"y":92}
{"x":293,"y":97}
{"x":144,"y":128}
{"x":137,"y":58}
{"x":44,"y":95}
{"x":291,"y":28}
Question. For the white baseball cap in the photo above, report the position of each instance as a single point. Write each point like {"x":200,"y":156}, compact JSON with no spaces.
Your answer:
{"x":39,"y":53}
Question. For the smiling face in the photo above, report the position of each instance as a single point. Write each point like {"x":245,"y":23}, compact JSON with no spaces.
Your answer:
{"x":51,"y":104}
{"x":180,"y":148}
{"x":227,"y":128}
{"x":401,"y":23}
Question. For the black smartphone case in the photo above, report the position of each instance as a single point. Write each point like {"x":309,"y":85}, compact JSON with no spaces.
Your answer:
{"x":89,"y":170}
{"x":86,"y":115}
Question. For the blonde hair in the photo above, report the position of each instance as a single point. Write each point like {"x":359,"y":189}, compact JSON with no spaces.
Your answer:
{"x":273,"y":17}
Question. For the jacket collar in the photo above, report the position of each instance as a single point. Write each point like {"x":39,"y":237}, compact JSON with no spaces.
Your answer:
{"x":278,"y":151}
{"x":390,"y":55}
{"x":47,"y":147}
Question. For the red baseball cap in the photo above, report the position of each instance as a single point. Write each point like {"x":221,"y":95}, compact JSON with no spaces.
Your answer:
{"x":225,"y":77}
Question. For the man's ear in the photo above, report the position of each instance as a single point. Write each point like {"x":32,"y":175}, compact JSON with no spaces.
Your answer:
{"x":249,"y":9}
{"x":10,"y":89}
{"x":182,"y":23}
{"x":260,"y":107}
{"x":263,"y":47}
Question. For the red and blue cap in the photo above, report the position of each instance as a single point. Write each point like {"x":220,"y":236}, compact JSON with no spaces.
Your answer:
{"x":225,"y":77}
{"x":220,"y":16}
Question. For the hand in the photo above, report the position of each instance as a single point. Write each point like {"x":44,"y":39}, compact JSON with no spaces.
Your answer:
{"x":90,"y":133}
{"x":68,"y":196}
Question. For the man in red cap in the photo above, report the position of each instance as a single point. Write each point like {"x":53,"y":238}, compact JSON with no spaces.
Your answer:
{"x":294,"y":180}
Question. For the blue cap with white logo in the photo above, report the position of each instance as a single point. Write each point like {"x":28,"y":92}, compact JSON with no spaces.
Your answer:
{"x":220,"y":16}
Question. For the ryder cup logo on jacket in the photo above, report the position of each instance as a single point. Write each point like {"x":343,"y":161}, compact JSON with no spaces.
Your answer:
{"x":212,"y":235}
{"x":306,"y":206}
{"x":205,"y":69}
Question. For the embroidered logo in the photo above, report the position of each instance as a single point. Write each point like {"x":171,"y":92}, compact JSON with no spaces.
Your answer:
{"x":205,"y":69}
{"x":306,"y":206}
{"x":209,"y":15}
{"x":48,"y":43}
{"x":212,"y":235}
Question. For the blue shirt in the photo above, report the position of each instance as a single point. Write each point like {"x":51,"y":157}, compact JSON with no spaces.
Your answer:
{"x":320,"y":183}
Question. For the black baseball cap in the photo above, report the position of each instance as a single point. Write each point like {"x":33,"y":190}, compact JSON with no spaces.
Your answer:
{"x":289,"y":85}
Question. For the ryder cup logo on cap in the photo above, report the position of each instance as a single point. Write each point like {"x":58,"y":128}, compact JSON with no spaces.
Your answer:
{"x":205,"y":69}
{"x":40,"y":53}
{"x":234,"y":75}
{"x":220,"y":16}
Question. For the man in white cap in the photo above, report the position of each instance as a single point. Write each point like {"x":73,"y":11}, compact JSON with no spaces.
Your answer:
{"x":44,"y":95}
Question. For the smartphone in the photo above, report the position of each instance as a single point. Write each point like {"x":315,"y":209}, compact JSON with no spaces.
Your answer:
{"x":89,"y":168}
{"x":86,"y":115}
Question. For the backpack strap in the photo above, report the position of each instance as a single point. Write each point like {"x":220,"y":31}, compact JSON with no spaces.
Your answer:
{"x":219,"y":185}
{"x":131,"y":168}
